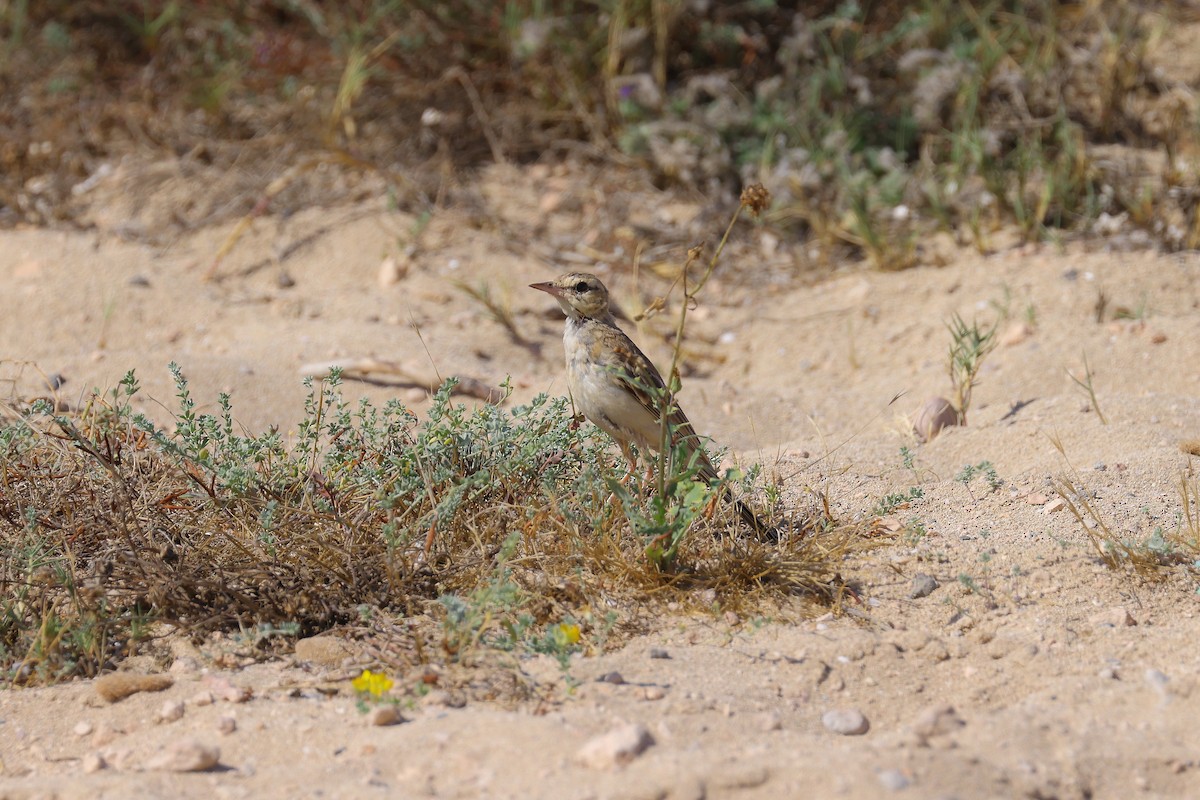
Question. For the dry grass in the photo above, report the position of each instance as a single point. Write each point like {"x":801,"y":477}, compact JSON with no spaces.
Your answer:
{"x":109,"y":524}
{"x":1147,"y":556}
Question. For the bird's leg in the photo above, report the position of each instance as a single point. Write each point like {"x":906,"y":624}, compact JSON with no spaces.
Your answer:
{"x":627,"y":451}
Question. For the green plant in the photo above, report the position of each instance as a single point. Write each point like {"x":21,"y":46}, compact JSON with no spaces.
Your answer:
{"x":110,"y":524}
{"x":1086,"y":384}
{"x":969,"y":346}
{"x":985,"y":469}
{"x":889,"y":503}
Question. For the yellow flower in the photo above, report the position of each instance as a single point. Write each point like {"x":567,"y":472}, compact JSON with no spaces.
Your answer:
{"x":568,"y":633}
{"x":375,"y":684}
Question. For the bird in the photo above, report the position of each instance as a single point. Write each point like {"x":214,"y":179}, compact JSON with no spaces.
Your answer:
{"x":619,"y":389}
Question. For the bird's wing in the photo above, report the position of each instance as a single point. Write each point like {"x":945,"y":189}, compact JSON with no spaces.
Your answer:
{"x":643,"y":380}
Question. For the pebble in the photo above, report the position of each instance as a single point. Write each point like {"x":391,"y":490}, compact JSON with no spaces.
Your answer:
{"x":119,"y":685}
{"x":93,"y":762}
{"x":392,"y":271}
{"x":922,"y":585}
{"x":105,"y":734}
{"x":613,"y":677}
{"x":223,"y":689}
{"x":1156,"y":679}
{"x":385,"y":714}
{"x":185,"y":755}
{"x":616,"y":748}
{"x":935,"y":414}
{"x":1115,"y":617}
{"x":171,"y":711}
{"x":659,"y":652}
{"x":184,"y":665}
{"x":82,"y":728}
{"x":1056,"y":505}
{"x":770,"y":721}
{"x":203,"y":698}
{"x":936,"y":721}
{"x":654,"y":693}
{"x":846,"y":721}
{"x":894,"y":780}
{"x":227,"y":724}
{"x":325,"y":651}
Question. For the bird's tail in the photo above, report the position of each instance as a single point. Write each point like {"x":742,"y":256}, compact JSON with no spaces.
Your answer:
{"x":693,"y":452}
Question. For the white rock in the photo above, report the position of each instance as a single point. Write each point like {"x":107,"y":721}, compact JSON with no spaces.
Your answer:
{"x":171,"y":711}
{"x":185,"y":755}
{"x":846,"y":721}
{"x":616,"y":748}
{"x":227,"y":724}
{"x":93,"y":762}
{"x":204,"y":698}
{"x":82,"y":728}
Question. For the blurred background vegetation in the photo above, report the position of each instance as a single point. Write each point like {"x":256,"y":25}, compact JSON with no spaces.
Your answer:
{"x":872,"y":124}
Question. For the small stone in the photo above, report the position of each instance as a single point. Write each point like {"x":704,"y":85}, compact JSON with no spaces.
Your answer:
{"x":1156,"y":679}
{"x":185,"y":755}
{"x":894,"y":780}
{"x":224,"y":689}
{"x":1016,"y":333}
{"x":659,"y":652}
{"x":922,"y":585}
{"x":770,"y":721}
{"x":324,"y":651}
{"x":203,"y":698}
{"x":82,"y":728}
{"x":1109,"y":674}
{"x":184,"y":665}
{"x":613,"y":677}
{"x":846,"y":721}
{"x":227,"y":724}
{"x":935,"y":414}
{"x":171,"y":711}
{"x":731,"y":618}
{"x":392,"y":271}
{"x":1115,"y":617}
{"x":284,"y":280}
{"x":616,"y":748}
{"x":119,"y":685}
{"x":1036,"y":499}
{"x":1056,"y":505}
{"x":386,"y":714}
{"x":738,"y":777}
{"x":93,"y":762}
{"x":105,"y":734}
{"x":936,"y":721}
{"x":140,"y":281}
{"x":654,"y":693}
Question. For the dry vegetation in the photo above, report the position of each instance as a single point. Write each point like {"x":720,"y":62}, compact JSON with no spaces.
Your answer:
{"x":486,"y":527}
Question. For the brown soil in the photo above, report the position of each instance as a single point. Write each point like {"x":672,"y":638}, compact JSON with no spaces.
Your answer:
{"x":1028,"y":636}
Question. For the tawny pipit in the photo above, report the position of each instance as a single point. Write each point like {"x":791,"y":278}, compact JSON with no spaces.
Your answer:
{"x":617,"y":388}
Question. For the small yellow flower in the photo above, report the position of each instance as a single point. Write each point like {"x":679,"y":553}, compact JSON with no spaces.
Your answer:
{"x":568,"y":633}
{"x":375,"y":684}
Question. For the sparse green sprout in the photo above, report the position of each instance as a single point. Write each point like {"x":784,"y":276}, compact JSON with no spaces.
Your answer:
{"x":969,"y":346}
{"x":985,"y":469}
{"x":1087,"y":385}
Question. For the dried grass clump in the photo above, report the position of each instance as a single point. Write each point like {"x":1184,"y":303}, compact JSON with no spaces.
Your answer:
{"x":464,"y":533}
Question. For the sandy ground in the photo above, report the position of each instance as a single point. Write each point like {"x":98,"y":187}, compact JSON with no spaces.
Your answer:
{"x":1031,"y":671}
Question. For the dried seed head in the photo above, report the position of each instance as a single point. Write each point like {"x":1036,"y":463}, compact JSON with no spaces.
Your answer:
{"x":756,"y":198}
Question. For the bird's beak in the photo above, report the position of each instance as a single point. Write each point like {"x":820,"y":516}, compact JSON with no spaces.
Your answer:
{"x":548,"y":288}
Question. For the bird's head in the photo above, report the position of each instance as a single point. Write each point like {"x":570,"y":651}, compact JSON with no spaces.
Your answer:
{"x":580,"y":294}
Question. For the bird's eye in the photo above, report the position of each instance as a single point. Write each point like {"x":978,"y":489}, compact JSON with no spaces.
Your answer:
{"x":581,"y":286}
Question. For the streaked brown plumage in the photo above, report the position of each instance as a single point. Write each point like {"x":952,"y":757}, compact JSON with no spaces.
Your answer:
{"x":608,"y":377}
